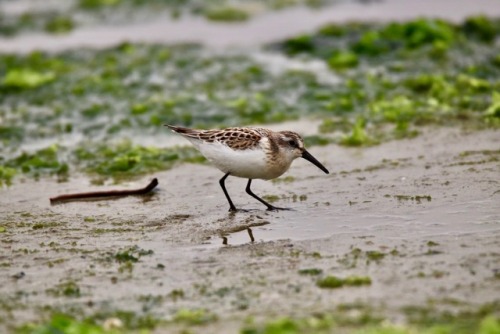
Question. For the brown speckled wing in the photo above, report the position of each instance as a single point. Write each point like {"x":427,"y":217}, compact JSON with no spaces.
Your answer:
{"x":186,"y":132}
{"x":235,"y":138}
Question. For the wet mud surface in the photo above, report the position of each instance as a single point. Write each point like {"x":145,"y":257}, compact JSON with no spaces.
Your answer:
{"x":420,"y":217}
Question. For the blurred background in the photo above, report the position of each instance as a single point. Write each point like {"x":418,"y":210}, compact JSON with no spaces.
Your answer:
{"x":83,"y":79}
{"x":400,"y":99}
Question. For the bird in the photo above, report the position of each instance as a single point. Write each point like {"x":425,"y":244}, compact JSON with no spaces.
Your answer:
{"x":248,"y":152}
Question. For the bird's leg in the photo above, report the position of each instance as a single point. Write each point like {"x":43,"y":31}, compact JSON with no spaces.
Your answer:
{"x":269,"y":206}
{"x":221,"y":182}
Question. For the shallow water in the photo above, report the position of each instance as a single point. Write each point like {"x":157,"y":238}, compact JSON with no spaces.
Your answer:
{"x":454,"y":219}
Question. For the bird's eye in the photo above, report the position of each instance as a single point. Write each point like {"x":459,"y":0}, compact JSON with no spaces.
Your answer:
{"x":293,"y":143}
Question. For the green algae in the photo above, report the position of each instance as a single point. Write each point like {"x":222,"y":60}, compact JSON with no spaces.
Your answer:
{"x":63,"y":19}
{"x":121,"y":161}
{"x":310,"y":271}
{"x":125,"y":160}
{"x":194,"y":316}
{"x":314,"y":324}
{"x":42,"y":162}
{"x":95,"y":99}
{"x":358,"y":135}
{"x":52,"y":22}
{"x":333,"y":282}
{"x":367,"y":323}
{"x":341,"y":60}
{"x":60,"y":25}
{"x":316,"y":140}
{"x":6,"y":175}
{"x":94,"y":4}
{"x":132,"y":254}
{"x":285,"y":179}
{"x":69,"y":289}
{"x":493,"y":110}
{"x":227,"y":14}
{"x":227,"y":90}
{"x":417,"y":198}
{"x":397,"y":39}
{"x":425,"y":71}
{"x":375,"y":255}
{"x":271,"y":198}
{"x":128,"y":322}
{"x":61,"y":323}
{"x":25,"y":79}
{"x":479,"y":320}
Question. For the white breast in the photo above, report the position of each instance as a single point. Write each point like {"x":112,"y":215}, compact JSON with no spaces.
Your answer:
{"x":250,"y":164}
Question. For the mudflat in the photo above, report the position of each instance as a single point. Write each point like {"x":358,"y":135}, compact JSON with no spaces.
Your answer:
{"x":415,"y":222}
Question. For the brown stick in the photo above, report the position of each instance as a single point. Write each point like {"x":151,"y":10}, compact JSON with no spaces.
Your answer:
{"x":105,"y":193}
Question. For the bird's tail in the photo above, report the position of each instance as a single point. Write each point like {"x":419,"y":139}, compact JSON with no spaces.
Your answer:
{"x":179,"y":129}
{"x":191,"y":133}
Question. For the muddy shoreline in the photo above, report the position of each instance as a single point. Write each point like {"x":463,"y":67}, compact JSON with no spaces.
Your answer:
{"x":441,"y":245}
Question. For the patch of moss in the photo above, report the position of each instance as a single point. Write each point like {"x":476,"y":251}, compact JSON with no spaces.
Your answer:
{"x":24,"y":78}
{"x":316,"y":140}
{"x":194,"y":317}
{"x":343,"y":60}
{"x":286,"y":325}
{"x":95,"y":4}
{"x":133,"y":89}
{"x":125,"y":160}
{"x":6,"y":175}
{"x":375,"y":255}
{"x":65,"y":289}
{"x":131,"y":321}
{"x":332,"y":324}
{"x":333,"y":282}
{"x":42,"y":225}
{"x":42,"y":162}
{"x":310,"y":271}
{"x":419,"y":33}
{"x":480,"y":320}
{"x":60,"y":25}
{"x":63,"y":324}
{"x":226,"y":14}
{"x":493,"y":110}
{"x":417,"y":198}
{"x":399,"y":93}
{"x":299,"y":44}
{"x":176,"y":294}
{"x":271,"y":198}
{"x":480,"y":27}
{"x":358,"y":135}
{"x":132,"y":254}
{"x":286,"y":179}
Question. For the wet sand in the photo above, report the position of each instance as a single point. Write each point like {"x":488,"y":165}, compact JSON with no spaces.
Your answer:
{"x":429,"y":204}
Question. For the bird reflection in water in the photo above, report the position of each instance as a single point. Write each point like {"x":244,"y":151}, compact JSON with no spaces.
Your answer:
{"x":224,"y":235}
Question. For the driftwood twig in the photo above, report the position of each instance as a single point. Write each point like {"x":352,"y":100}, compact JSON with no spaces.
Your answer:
{"x":105,"y":193}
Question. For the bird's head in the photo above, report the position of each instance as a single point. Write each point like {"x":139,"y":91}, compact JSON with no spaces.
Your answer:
{"x":292,"y":145}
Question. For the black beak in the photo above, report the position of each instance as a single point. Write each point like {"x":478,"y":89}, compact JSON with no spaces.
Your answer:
{"x":306,"y":155}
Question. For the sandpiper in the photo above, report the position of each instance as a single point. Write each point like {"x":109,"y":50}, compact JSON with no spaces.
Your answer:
{"x":251,"y":153}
